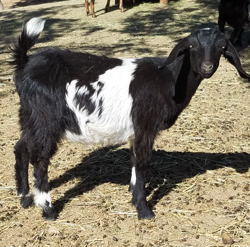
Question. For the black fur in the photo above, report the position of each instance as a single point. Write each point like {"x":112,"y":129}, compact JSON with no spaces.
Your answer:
{"x":236,"y":14}
{"x":44,"y":116}
{"x":162,"y":88}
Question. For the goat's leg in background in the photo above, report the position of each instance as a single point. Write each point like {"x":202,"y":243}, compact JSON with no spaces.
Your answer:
{"x":248,"y":10}
{"x":90,"y":5}
{"x":121,"y":5}
{"x":164,"y":2}
{"x":236,"y":36}
{"x":1,"y":6}
{"x":221,"y":23}
{"x":141,"y":156}
{"x":107,"y":6}
{"x":117,"y":2}
{"x":87,"y":7}
{"x":92,"y":8}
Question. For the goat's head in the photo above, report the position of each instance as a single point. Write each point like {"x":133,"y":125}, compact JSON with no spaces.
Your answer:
{"x":204,"y":48}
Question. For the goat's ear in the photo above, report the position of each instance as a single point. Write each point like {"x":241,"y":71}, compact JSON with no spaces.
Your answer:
{"x":175,"y":67}
{"x":232,"y":56}
{"x":178,"y":50}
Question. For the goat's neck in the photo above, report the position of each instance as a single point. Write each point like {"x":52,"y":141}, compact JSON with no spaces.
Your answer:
{"x":186,"y":84}
{"x":193,"y":82}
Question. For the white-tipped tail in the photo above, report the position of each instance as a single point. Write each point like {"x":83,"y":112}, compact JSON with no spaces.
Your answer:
{"x":34,"y":26}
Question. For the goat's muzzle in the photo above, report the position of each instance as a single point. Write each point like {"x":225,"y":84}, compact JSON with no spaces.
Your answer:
{"x":207,"y":69}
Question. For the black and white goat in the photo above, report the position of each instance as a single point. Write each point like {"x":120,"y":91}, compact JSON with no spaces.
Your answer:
{"x":96,"y":99}
{"x":236,"y":14}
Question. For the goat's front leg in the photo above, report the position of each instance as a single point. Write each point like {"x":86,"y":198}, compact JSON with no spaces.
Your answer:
{"x":142,"y":150}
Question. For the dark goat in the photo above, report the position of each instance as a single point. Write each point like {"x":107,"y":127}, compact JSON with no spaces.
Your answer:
{"x":96,"y":99}
{"x":237,"y":14}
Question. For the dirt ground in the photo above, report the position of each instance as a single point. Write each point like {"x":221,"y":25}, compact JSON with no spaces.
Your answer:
{"x":199,"y":186}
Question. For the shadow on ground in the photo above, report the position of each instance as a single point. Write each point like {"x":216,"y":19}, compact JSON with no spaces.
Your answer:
{"x":167,"y":170}
{"x":24,"y":3}
{"x":11,"y":23}
{"x":173,"y":22}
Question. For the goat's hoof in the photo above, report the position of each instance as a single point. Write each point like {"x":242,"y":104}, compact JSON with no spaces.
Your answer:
{"x":145,"y":214}
{"x":49,"y":213}
{"x":26,"y":201}
{"x":106,"y":10}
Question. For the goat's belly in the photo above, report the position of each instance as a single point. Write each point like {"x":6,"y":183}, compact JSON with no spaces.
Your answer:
{"x":105,"y":134}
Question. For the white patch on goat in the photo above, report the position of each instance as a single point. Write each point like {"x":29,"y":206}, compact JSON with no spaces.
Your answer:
{"x":114,"y":125}
{"x":82,"y":90}
{"x":133,"y":177}
{"x":41,"y":197}
{"x":22,"y":195}
{"x":34,"y":26}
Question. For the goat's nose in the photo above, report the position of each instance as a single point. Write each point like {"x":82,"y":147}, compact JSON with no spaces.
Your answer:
{"x":207,"y":66}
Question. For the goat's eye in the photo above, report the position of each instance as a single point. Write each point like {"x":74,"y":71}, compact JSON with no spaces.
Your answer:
{"x":190,"y":46}
{"x":223,"y":47}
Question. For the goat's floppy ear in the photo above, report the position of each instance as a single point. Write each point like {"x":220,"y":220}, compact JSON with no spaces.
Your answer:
{"x":178,"y":50}
{"x":232,"y":56}
{"x":175,"y":66}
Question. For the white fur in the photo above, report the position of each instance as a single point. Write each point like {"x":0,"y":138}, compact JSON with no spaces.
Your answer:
{"x":206,"y":28}
{"x":133,"y":177}
{"x":34,"y":26}
{"x":114,"y":125}
{"x":40,"y":198}
{"x":22,"y":195}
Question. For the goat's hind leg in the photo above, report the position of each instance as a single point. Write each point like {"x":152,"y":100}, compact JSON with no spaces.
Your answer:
{"x":41,"y":191}
{"x":41,"y":160}
{"x":21,"y":170}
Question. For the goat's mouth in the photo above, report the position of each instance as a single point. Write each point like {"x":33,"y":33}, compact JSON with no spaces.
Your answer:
{"x":206,"y":74}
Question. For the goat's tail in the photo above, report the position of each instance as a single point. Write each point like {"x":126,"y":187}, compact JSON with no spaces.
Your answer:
{"x":27,"y":39}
